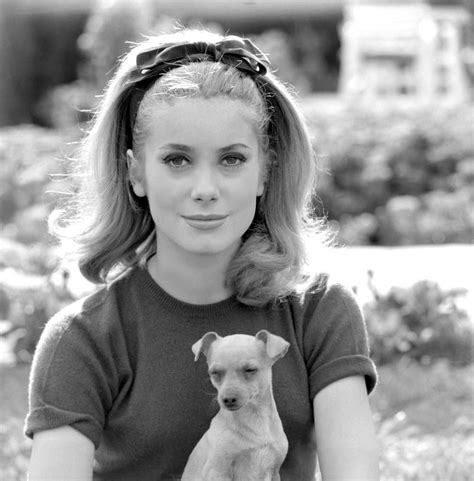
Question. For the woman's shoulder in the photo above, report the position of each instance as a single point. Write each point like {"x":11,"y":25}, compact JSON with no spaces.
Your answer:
{"x":326,"y":295}
{"x":324,"y":285}
{"x":98,"y":310}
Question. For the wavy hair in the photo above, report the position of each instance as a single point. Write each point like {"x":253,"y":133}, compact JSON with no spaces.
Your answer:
{"x":112,"y":229}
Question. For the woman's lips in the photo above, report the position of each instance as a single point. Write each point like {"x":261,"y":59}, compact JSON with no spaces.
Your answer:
{"x":205,"y":222}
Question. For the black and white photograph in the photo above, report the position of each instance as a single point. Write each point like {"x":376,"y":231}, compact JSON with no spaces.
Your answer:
{"x":236,"y":240}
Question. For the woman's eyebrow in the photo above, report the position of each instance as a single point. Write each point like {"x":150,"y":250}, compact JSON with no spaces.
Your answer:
{"x":187,"y":148}
{"x":180,"y":147}
{"x":233,"y":146}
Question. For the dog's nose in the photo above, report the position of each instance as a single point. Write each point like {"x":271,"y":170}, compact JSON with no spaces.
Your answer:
{"x":230,"y":402}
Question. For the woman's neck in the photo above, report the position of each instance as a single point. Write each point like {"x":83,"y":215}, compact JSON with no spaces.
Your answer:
{"x":192,"y":279}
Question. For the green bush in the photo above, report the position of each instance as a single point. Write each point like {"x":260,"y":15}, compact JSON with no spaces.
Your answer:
{"x":423,"y":323}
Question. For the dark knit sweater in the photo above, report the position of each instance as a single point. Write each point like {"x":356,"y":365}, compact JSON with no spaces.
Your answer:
{"x":118,"y":367}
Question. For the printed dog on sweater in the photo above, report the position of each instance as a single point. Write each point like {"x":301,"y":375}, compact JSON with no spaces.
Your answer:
{"x":245,"y":440}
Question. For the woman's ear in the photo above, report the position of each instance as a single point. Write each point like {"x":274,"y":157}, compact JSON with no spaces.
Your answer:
{"x":135,"y":174}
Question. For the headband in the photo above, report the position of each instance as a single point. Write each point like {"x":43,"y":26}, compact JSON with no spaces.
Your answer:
{"x":240,"y":53}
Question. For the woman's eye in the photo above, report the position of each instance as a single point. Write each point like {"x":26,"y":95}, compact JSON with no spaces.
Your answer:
{"x":176,"y":160}
{"x":250,"y":371}
{"x":233,"y":160}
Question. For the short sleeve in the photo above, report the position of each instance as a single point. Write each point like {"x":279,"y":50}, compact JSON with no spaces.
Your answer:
{"x":335,"y":341}
{"x":73,"y":377}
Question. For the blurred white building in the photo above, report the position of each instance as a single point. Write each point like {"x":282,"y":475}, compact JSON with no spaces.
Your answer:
{"x":396,"y":49}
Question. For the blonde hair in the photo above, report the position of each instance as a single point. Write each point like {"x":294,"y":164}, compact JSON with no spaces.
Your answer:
{"x":112,"y":228}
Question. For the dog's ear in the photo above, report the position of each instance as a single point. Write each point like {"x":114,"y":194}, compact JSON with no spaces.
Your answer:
{"x":204,"y":344}
{"x":276,"y":346}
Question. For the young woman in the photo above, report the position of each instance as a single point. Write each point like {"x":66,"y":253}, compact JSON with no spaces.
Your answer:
{"x":194,"y":211}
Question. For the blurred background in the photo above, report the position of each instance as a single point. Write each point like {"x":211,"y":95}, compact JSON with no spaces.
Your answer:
{"x":387,"y":88}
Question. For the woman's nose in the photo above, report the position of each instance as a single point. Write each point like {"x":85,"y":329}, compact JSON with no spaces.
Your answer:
{"x":205,"y":185}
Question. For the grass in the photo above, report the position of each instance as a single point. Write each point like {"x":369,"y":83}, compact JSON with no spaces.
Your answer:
{"x":425,"y":422}
{"x":14,"y":447}
{"x":424,"y":417}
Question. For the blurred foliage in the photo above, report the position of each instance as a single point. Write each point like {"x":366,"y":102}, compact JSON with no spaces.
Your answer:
{"x":423,"y":323}
{"x":28,"y":298}
{"x":395,"y":177}
{"x":67,"y":105}
{"x":33,"y":161}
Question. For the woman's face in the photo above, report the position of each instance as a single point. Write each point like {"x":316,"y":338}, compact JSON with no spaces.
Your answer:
{"x":201,"y":170}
